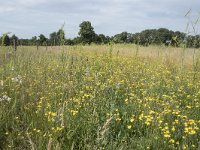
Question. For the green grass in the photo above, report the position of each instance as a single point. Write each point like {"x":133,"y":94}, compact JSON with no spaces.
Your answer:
{"x":93,"y":97}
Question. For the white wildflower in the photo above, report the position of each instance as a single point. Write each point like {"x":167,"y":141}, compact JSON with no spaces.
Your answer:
{"x":5,"y":98}
{"x":17,"y":79}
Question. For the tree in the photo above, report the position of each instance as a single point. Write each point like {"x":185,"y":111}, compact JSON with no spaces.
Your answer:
{"x":61,"y":36}
{"x":148,"y":37}
{"x":25,"y":42}
{"x":164,"y":35}
{"x":5,"y":40}
{"x":86,"y":32}
{"x":97,"y":39}
{"x":104,"y":39}
{"x":123,"y":37}
{"x":120,"y":38}
{"x":57,"y":38}
{"x":69,"y":42}
{"x":33,"y":40}
{"x":14,"y":40}
{"x":53,"y":39}
{"x":77,"y":40}
{"x":42,"y":39}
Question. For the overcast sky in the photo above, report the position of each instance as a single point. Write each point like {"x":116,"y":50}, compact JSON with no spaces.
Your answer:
{"x":27,"y":18}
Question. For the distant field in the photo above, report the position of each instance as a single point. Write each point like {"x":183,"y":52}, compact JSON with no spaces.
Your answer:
{"x":171,"y":53}
{"x":100,"y":97}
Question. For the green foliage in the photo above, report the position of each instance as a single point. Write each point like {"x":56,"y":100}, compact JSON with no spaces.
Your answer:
{"x":87,"y":35}
{"x":123,"y":37}
{"x":53,"y":39}
{"x":86,"y":32}
{"x":57,"y":38}
{"x":77,"y":40}
{"x":5,"y":39}
{"x":61,"y":35}
{"x":14,"y":40}
{"x":42,"y":39}
{"x":34,"y":40}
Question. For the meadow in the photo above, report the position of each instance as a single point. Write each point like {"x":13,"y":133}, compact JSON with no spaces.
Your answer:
{"x":112,"y":97}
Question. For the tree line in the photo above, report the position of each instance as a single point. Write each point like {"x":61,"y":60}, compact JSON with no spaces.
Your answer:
{"x":87,"y":35}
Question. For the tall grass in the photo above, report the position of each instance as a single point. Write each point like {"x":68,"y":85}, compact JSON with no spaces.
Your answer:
{"x":99,"y":97}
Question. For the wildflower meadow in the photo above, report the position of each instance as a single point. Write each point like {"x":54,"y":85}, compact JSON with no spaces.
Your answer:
{"x":113,"y":97}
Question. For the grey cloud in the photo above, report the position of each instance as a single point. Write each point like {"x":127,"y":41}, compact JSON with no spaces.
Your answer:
{"x":27,"y":18}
